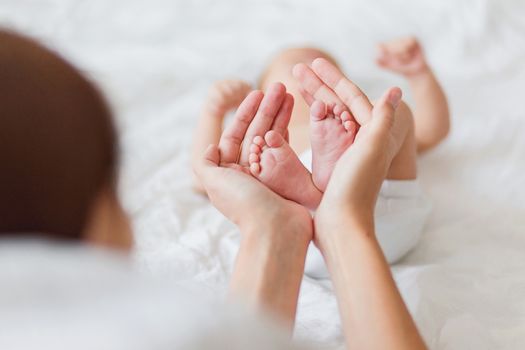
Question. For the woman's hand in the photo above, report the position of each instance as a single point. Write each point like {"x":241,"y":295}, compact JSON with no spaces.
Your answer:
{"x":356,"y":180}
{"x":224,"y":170}
{"x":275,"y":231}
{"x":247,"y":202}
{"x":357,"y":177}
{"x":368,"y":298}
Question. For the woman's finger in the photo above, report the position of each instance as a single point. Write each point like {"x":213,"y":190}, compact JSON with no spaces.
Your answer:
{"x":384,"y":110}
{"x":280,"y":124}
{"x":211,"y":159}
{"x":232,"y":137}
{"x":313,"y":86}
{"x":264,"y":118}
{"x":345,"y":90}
{"x":309,"y":99}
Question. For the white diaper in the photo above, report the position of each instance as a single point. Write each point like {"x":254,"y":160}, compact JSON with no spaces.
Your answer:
{"x":400,"y":215}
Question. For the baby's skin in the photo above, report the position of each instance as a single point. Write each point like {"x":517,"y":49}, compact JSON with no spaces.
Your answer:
{"x":332,"y":131}
{"x":332,"y":126}
{"x":274,"y":162}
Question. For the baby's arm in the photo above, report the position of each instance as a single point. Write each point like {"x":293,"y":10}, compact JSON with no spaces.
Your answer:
{"x":431,"y":115}
{"x":224,"y":96}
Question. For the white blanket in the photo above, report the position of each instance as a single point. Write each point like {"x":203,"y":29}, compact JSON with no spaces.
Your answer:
{"x":465,"y":282}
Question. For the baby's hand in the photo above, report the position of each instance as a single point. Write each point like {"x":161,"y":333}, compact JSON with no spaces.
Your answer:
{"x":226,"y":95}
{"x":404,"y":56}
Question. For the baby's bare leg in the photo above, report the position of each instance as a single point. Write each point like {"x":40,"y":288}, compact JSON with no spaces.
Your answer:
{"x":224,"y":96}
{"x":403,"y":166}
{"x":280,"y":69}
{"x":432,"y":120}
{"x":431,"y":115}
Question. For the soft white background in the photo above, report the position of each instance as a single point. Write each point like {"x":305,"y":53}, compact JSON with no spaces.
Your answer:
{"x":465,"y":282}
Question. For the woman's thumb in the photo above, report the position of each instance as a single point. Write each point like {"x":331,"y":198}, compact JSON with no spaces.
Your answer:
{"x":384,"y":110}
{"x":210,"y":159}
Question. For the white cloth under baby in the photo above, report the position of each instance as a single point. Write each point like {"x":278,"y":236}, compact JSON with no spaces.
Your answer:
{"x":400,"y":215}
{"x":61,"y":296}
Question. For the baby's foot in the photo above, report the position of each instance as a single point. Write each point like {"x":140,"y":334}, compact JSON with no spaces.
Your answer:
{"x":332,"y":131}
{"x":275,"y":164}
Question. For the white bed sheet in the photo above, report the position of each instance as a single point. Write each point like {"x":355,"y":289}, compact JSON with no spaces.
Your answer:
{"x":465,"y":282}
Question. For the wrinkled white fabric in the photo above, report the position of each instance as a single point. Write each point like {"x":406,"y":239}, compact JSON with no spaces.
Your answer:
{"x":73,"y":297}
{"x":156,"y":60}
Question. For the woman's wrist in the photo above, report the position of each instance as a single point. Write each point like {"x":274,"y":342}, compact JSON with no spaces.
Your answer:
{"x":342,"y":223}
{"x":269,"y":267}
{"x":269,"y":242}
{"x":343,"y":237}
{"x":276,"y":232}
{"x":277,"y":225}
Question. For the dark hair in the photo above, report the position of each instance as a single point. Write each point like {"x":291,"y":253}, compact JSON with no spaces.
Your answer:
{"x":57,"y":142}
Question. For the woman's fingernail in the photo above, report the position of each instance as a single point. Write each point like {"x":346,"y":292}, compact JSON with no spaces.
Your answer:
{"x":395,"y":97}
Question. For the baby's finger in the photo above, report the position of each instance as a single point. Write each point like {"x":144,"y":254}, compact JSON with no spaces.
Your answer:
{"x":382,"y":51}
{"x":232,"y":137}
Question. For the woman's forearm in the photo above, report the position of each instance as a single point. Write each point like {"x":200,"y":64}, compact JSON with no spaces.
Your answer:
{"x":373,"y":313}
{"x":269,"y":269}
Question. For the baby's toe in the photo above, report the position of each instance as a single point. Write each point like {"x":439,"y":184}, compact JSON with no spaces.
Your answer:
{"x":318,"y":111}
{"x":254,"y":148}
{"x":351,"y":127}
{"x":255,"y":168}
{"x":259,"y":141}
{"x":274,"y":139}
{"x":338,"y":110}
{"x":253,"y":158}
{"x":330,"y":110}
